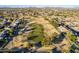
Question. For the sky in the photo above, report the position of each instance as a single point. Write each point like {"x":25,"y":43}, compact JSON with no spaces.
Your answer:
{"x":24,"y":6}
{"x":39,"y":3}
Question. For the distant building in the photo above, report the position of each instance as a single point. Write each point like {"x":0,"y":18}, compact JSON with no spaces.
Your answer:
{"x":1,"y":16}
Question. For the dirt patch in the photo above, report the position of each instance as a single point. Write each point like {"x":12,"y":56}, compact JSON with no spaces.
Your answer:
{"x":49,"y":30}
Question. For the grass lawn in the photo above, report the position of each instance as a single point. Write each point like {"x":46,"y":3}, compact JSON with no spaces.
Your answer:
{"x":37,"y":34}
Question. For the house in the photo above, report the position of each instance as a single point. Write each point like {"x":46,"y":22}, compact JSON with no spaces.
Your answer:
{"x":62,"y":29}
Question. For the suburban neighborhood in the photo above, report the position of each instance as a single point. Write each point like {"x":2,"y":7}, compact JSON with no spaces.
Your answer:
{"x":39,"y":30}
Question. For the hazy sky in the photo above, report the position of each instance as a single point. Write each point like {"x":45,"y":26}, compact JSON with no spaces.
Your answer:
{"x":39,"y":3}
{"x":15,"y":6}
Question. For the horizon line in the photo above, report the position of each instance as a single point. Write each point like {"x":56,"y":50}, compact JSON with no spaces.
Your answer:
{"x":25,"y":6}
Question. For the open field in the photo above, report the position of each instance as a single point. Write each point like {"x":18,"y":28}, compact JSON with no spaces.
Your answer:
{"x":39,"y":30}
